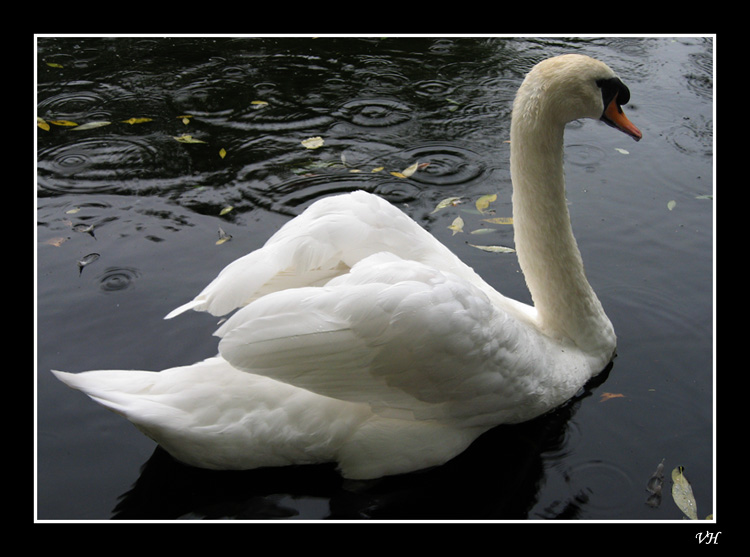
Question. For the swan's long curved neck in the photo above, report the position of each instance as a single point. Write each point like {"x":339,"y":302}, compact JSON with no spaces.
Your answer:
{"x":566,"y":305}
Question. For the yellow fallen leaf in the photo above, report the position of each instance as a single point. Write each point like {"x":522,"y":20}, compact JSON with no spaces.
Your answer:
{"x":222,"y":153}
{"x":63,"y":123}
{"x":132,"y":121}
{"x":494,"y":249}
{"x":410,"y":170}
{"x":185,"y":118}
{"x":313,"y":142}
{"x":682,"y":493}
{"x":54,"y":65}
{"x":484,"y":202}
{"x":447,"y":202}
{"x":378,"y":169}
{"x":188,"y":139}
{"x":457,"y":225}
{"x":397,"y":174}
{"x":607,"y":396}
{"x":500,"y":220}
{"x":225,"y":210}
{"x":91,"y":125}
{"x":42,"y":124}
{"x":259,"y":104}
{"x":223,"y":237}
{"x":55,"y":241}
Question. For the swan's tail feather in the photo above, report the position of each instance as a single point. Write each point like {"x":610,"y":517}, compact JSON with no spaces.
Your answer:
{"x":212,"y":416}
{"x":193,"y":304}
{"x":116,"y":390}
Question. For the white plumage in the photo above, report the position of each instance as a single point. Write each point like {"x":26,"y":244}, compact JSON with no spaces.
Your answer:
{"x":362,"y":340}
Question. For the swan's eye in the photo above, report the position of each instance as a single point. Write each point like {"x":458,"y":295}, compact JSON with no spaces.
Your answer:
{"x":612,"y":87}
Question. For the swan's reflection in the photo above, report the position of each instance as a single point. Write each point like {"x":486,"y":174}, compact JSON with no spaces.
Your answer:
{"x":497,"y":478}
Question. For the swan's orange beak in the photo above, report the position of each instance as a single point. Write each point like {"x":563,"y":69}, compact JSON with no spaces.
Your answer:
{"x":615,"y":117}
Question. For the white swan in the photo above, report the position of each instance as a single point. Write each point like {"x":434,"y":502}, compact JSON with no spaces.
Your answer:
{"x":362,"y":340}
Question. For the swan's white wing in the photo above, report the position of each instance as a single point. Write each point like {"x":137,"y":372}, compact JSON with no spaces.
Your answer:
{"x":325,"y":241}
{"x":410,"y":340}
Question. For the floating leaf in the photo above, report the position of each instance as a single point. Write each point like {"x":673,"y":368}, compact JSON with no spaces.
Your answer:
{"x":500,"y":220}
{"x":86,"y":260}
{"x":378,"y":169}
{"x":410,"y":170}
{"x":85,"y":229}
{"x":132,"y":121}
{"x":654,"y":486}
{"x":92,"y":125}
{"x":55,"y":241}
{"x":42,"y":124}
{"x":454,"y":104}
{"x":185,"y":118}
{"x":457,"y":225}
{"x":226,"y":210}
{"x":682,"y":493}
{"x":671,"y":205}
{"x":622,"y":151}
{"x":479,"y":231}
{"x":222,"y":153}
{"x":63,"y":123}
{"x":447,"y":202}
{"x":223,"y":237}
{"x":259,"y":104}
{"x":483,"y":202}
{"x":494,"y":249}
{"x":708,"y":196}
{"x":607,"y":396}
{"x":313,"y":142}
{"x":53,"y":65}
{"x":185,"y":138}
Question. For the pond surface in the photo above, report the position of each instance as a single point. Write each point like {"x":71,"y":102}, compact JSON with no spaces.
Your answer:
{"x":152,"y":209}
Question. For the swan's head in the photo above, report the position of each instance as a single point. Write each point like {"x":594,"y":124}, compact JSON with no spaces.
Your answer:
{"x":573,"y":86}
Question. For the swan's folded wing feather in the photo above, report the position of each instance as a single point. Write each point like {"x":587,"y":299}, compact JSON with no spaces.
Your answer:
{"x":325,"y":241}
{"x":399,"y":335}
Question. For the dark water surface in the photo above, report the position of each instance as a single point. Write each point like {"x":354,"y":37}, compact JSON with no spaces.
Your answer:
{"x":151,"y":208}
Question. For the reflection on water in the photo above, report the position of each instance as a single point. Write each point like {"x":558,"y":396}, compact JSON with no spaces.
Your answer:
{"x":150,"y":206}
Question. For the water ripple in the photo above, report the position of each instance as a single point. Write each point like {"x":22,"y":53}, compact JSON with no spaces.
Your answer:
{"x":70,"y":104}
{"x":95,"y":164}
{"x":692,"y":137}
{"x":292,"y":197}
{"x":448,"y":165}
{"x":115,"y":279}
{"x":432,"y":88}
{"x":605,"y":485}
{"x":377,"y":113}
{"x":582,"y":154}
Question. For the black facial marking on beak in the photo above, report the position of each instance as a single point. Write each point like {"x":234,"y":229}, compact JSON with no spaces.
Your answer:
{"x":614,"y":95}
